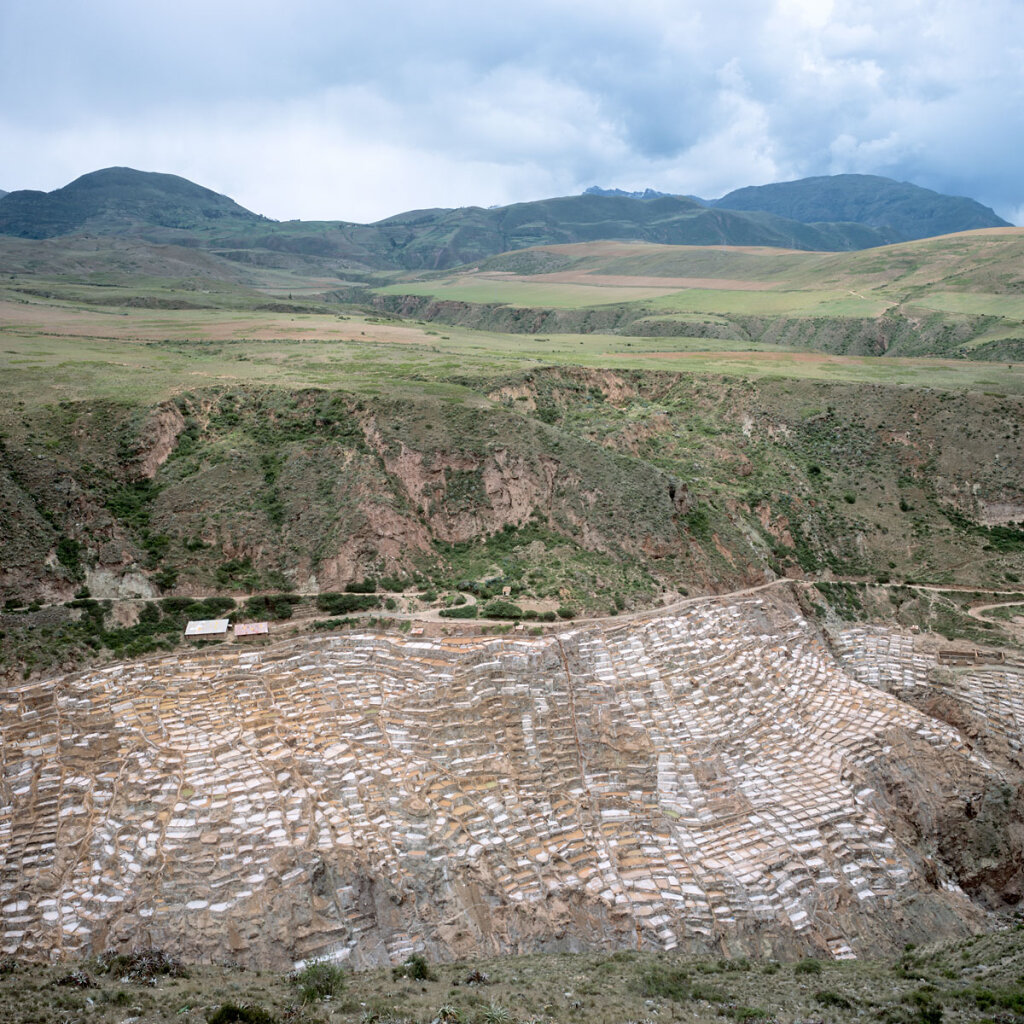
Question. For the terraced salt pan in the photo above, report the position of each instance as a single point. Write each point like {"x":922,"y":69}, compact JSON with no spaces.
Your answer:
{"x":694,"y":780}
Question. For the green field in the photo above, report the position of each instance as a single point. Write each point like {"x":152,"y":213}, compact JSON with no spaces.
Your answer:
{"x":528,"y":292}
{"x":957,"y":297}
{"x":136,"y":355}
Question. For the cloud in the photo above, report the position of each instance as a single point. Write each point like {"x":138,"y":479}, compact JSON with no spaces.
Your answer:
{"x":326,"y":109}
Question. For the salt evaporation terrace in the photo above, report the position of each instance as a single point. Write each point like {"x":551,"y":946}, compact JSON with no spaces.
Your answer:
{"x":696,"y":780}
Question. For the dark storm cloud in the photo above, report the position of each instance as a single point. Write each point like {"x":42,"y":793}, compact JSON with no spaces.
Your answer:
{"x":344,"y":110}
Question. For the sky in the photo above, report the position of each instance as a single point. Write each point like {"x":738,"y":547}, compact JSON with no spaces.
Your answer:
{"x":315,"y":109}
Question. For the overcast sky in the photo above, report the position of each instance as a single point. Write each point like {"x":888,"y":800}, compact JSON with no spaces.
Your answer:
{"x":342,"y":110}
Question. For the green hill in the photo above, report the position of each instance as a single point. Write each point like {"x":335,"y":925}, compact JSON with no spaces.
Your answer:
{"x":445,"y":238}
{"x":841,"y":213}
{"x":165,"y":208}
{"x":897,"y":209}
{"x":115,"y":200}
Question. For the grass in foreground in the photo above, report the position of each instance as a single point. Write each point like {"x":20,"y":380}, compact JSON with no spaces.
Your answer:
{"x":976,"y":979}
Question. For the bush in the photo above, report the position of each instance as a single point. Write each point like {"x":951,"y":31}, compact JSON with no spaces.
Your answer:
{"x":566,"y":611}
{"x":663,"y":983}
{"x":807,"y":966}
{"x":141,"y":965}
{"x":498,"y":608}
{"x":416,"y":967}
{"x":828,"y":998}
{"x":230,"y":1013}
{"x":271,"y":606}
{"x":237,"y":573}
{"x":497,"y":1014}
{"x":367,"y":586}
{"x":342,"y":604}
{"x":210,"y":607}
{"x":466,"y":611}
{"x":69,"y":554}
{"x":319,"y":979}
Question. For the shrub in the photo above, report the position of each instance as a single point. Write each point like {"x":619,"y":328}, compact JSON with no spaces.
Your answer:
{"x":238,"y":573}
{"x":566,"y":611}
{"x":76,"y":979}
{"x":496,"y":1014}
{"x":319,"y":979}
{"x":142,"y":966}
{"x":341,"y":604}
{"x":367,"y":586}
{"x":449,"y":1014}
{"x":748,"y":1013}
{"x":69,"y":554}
{"x":498,"y":608}
{"x":466,"y":611}
{"x":828,"y":998}
{"x":807,"y":966}
{"x":663,"y":983}
{"x":230,"y":1013}
{"x":272,"y":606}
{"x":416,"y":967}
{"x":739,"y":964}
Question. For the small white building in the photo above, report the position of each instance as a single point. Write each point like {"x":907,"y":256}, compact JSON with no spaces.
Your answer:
{"x":207,"y":627}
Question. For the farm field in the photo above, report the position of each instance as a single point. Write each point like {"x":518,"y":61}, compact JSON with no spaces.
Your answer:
{"x":54,"y":350}
{"x":957,"y":296}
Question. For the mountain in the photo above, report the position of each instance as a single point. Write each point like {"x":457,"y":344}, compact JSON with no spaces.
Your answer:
{"x":114,"y":200}
{"x":445,"y":238}
{"x":648,"y":193}
{"x":836,"y":214}
{"x":166,"y":208}
{"x":2,"y":193}
{"x":899,"y":210}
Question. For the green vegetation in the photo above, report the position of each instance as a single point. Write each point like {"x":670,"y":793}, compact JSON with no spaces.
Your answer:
{"x":229,"y":1013}
{"x":900,"y":210}
{"x":319,"y":979}
{"x":341,"y":604}
{"x":637,"y":484}
{"x":466,"y":611}
{"x":808,"y":965}
{"x":586,"y":459}
{"x":975,"y":979}
{"x":415,"y":967}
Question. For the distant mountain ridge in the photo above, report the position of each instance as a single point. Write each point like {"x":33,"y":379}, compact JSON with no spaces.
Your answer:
{"x":898,"y":210}
{"x":897,"y":207}
{"x":648,"y":193}
{"x":166,"y":208}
